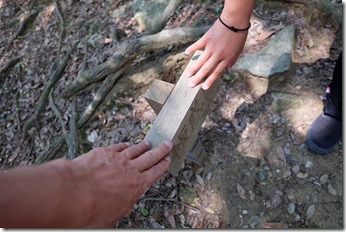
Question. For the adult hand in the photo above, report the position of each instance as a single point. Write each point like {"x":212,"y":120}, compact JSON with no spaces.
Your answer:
{"x":116,"y":176}
{"x":222,"y":48}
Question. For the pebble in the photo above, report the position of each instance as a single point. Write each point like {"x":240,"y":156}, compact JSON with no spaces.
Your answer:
{"x":252,"y":196}
{"x":297,"y":218}
{"x":302,"y":168}
{"x":308,"y":164}
{"x":290,"y":197}
{"x":254,"y":220}
{"x":318,"y":184}
{"x":301,"y":146}
{"x":262,"y":175}
{"x":286,"y":174}
{"x":324,"y":179}
{"x":287,"y":151}
{"x":244,"y":211}
{"x":302,"y":175}
{"x":227,"y":124}
{"x":331,"y":190}
{"x":291,"y":208}
{"x":209,"y":175}
{"x":276,"y":119}
{"x":295,"y":169}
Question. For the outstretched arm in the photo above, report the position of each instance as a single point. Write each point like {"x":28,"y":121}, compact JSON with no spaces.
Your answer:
{"x":222,"y":46}
{"x":93,"y":190}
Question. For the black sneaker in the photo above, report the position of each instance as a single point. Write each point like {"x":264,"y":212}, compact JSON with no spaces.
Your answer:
{"x":323,"y":134}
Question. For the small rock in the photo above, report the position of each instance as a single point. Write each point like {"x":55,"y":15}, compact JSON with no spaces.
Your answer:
{"x":252,"y":196}
{"x":297,"y":218}
{"x":157,"y":225}
{"x":254,"y":220}
{"x":310,"y":212}
{"x":318,"y":184}
{"x":209,"y":176}
{"x":287,"y":150}
{"x":295,"y":169}
{"x":92,"y":137}
{"x":324,"y":179}
{"x":302,"y":168}
{"x":301,"y":146}
{"x":308,"y":164}
{"x":244,"y":211}
{"x":227,"y":124}
{"x":149,"y":115}
{"x":276,"y":119}
{"x":331,"y":190}
{"x":200,"y":180}
{"x":290,"y":197}
{"x":261,"y":175}
{"x":291,"y":208}
{"x":302,"y":175}
{"x":286,"y":174}
{"x":262,"y":162}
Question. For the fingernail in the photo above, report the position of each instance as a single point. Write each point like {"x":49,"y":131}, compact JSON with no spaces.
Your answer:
{"x":168,"y":158}
{"x":191,"y":84}
{"x":128,"y":144}
{"x":148,"y":143}
{"x":168,"y":143}
{"x":205,"y":86}
{"x":187,"y":52}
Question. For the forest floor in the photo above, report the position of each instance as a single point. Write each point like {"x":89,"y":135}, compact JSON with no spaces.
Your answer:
{"x":257,"y":173}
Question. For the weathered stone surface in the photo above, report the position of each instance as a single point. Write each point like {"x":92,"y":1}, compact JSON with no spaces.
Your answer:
{"x":272,"y":59}
{"x":284,"y":101}
{"x":148,"y":12}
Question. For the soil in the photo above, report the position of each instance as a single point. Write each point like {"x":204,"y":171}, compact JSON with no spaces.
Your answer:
{"x":257,"y":172}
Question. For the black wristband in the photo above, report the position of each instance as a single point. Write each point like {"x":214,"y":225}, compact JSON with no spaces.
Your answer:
{"x":233,"y":28}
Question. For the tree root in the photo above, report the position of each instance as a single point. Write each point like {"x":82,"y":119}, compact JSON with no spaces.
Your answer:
{"x":51,"y":151}
{"x":70,"y":141}
{"x":62,"y":33}
{"x":129,"y":50}
{"x":73,"y":148}
{"x":44,"y":96}
{"x":106,"y":86}
{"x":30,"y":17}
{"x":166,"y":15}
{"x":6,"y":68}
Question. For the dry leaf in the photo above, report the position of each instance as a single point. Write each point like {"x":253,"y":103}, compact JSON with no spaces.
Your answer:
{"x":241,"y":191}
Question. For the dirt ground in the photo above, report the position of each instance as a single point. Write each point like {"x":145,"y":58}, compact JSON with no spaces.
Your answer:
{"x":257,"y":172}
